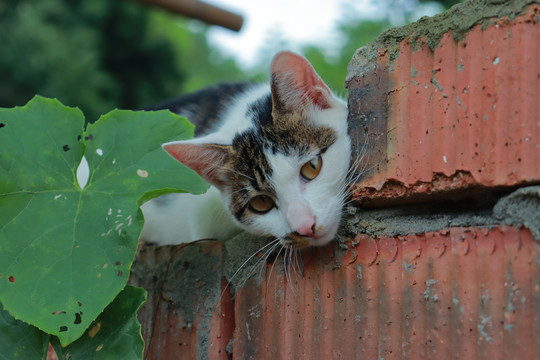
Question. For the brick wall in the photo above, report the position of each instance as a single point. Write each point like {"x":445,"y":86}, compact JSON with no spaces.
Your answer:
{"x":439,"y":255}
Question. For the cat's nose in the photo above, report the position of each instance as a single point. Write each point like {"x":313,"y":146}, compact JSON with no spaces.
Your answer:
{"x":307,"y":229}
{"x":300,"y":218}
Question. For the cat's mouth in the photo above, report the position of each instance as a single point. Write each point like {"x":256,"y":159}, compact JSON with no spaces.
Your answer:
{"x":322,"y":236}
{"x":296,"y":241}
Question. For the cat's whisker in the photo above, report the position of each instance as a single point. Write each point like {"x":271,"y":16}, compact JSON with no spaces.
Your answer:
{"x":355,"y":170}
{"x":366,"y":152}
{"x":358,"y":168}
{"x":272,"y":268}
{"x":294,"y":285}
{"x":353,"y":180}
{"x":265,"y":265}
{"x":287,"y":264}
{"x":295,"y":262}
{"x":349,"y":202}
{"x":244,"y":189}
{"x":247,"y":260}
{"x":354,"y":177}
{"x":347,"y":192}
{"x":262,"y":259}
{"x":241,"y":174}
{"x":300,"y":261}
{"x":285,"y":269}
{"x":296,"y":266}
{"x":352,"y":167}
{"x":266,"y":255}
{"x":360,"y":159}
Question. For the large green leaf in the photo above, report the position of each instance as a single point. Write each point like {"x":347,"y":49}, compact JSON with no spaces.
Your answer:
{"x":66,"y":252}
{"x":20,"y":341}
{"x":114,"y":335}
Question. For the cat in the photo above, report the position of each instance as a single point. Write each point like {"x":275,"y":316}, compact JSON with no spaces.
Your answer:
{"x":276,"y":156}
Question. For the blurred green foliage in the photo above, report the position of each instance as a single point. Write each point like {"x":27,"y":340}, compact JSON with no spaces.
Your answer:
{"x":105,"y":54}
{"x":100,"y":54}
{"x":445,"y":3}
{"x":333,"y":69}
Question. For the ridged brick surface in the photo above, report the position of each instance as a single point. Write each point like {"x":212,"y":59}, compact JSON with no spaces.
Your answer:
{"x":459,"y":293}
{"x":465,"y":116}
{"x":185,"y":315}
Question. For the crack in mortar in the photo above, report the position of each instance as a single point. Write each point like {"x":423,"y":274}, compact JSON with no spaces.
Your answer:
{"x":520,"y":208}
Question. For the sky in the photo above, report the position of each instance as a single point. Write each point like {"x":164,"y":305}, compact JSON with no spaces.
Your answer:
{"x":299,"y":21}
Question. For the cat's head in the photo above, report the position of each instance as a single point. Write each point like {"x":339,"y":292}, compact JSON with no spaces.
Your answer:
{"x":283,"y":176}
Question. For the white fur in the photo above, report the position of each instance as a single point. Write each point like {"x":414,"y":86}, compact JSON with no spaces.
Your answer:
{"x":322,"y":197}
{"x":235,"y":115}
{"x":187,"y":217}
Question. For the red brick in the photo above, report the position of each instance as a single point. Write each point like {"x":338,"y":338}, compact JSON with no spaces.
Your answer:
{"x":455,"y":293}
{"x":460,"y":292}
{"x":464,"y":116}
{"x":188,"y":314}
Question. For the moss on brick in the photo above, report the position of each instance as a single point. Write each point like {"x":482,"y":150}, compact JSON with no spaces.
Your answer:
{"x":459,"y":19}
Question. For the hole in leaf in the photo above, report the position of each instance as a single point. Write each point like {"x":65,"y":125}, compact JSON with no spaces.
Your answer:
{"x":142,"y":173}
{"x":66,"y":147}
{"x":57,"y":312}
{"x":2,"y":125}
{"x":63,"y":328}
{"x":89,"y":137}
{"x":11,"y":279}
{"x":78,"y":318}
{"x":79,"y":137}
{"x":83,"y":172}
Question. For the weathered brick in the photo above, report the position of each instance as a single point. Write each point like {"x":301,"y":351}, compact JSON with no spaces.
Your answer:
{"x":455,"y":293}
{"x":443,"y":117}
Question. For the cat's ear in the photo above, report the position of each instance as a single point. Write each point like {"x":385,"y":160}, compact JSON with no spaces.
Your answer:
{"x":295,"y":84}
{"x":207,"y":160}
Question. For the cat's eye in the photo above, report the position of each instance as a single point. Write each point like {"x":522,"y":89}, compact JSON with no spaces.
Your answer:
{"x":261,"y":204}
{"x":311,"y":169}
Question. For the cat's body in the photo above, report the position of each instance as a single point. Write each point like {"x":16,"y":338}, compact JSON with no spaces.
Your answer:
{"x":276,"y":154}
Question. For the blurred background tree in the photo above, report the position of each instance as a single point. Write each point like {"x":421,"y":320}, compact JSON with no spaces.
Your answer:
{"x":105,"y":54}
{"x":100,"y":54}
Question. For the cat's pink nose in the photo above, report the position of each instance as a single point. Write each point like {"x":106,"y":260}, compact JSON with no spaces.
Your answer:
{"x":300,"y":218}
{"x":307,"y":229}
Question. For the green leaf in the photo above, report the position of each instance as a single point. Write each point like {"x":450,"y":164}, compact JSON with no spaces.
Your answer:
{"x":114,"y":335}
{"x":66,"y":252}
{"x":19,"y":340}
